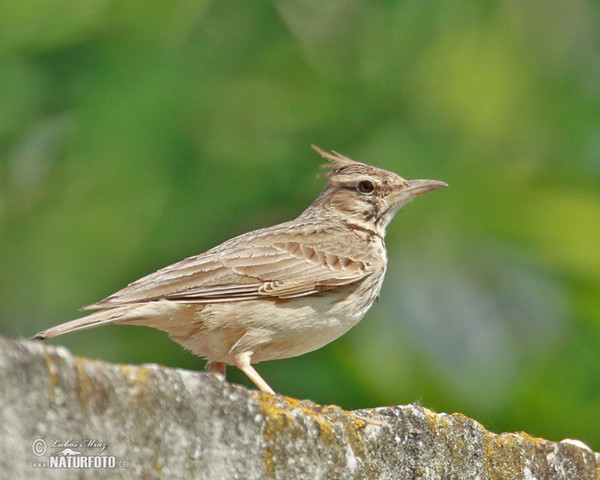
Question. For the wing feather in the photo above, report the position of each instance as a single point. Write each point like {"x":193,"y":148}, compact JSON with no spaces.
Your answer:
{"x":247,"y":268}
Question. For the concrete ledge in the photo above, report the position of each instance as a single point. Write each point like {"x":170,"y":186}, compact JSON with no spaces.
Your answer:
{"x":59,"y":412}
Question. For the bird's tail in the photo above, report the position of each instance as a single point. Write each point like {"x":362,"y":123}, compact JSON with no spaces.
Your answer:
{"x":103,"y":317}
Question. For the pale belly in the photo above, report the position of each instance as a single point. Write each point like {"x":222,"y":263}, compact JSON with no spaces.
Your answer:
{"x":265,"y":329}
{"x":271,"y":330}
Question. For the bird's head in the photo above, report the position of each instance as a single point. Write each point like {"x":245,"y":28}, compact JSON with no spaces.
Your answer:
{"x":365,"y":195}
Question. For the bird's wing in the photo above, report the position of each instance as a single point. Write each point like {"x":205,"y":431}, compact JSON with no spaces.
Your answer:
{"x":247,"y":267}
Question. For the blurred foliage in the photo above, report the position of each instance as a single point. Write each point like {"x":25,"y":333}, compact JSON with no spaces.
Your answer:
{"x":133,"y":134}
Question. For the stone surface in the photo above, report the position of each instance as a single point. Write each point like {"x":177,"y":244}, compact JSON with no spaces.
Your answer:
{"x":156,"y":422}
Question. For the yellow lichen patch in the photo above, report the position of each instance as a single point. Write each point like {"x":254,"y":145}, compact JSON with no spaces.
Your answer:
{"x":143,"y":375}
{"x":276,"y":419}
{"x":440,"y":424}
{"x":278,"y":412}
{"x":52,"y":376}
{"x":275,"y":415}
{"x":139,"y":379}
{"x":127,"y":371}
{"x":291,"y":402}
{"x":332,"y":423}
{"x":510,"y":453}
{"x":135,"y":375}
{"x":504,"y":455}
{"x":528,"y":438}
{"x":84,"y":385}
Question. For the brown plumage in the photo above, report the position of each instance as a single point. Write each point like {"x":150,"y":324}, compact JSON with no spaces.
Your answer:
{"x":279,"y":291}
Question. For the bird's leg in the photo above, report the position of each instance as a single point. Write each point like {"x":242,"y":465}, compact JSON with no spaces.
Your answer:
{"x":216,"y":368}
{"x":243,"y":363}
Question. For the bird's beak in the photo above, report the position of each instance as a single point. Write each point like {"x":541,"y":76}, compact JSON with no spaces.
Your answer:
{"x":414,"y":188}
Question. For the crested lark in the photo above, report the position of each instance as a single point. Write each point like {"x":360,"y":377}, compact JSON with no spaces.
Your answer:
{"x":277,"y":292}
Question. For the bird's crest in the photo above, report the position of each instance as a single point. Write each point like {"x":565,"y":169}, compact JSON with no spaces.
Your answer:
{"x":336,"y":161}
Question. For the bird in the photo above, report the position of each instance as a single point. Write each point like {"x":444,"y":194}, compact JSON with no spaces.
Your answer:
{"x":276,"y":292}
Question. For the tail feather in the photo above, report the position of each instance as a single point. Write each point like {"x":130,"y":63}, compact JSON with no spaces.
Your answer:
{"x":104,"y":317}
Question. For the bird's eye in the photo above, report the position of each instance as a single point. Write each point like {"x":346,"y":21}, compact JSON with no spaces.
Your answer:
{"x":365,"y":187}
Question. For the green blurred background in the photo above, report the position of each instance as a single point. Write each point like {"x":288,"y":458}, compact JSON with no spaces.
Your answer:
{"x":134,"y":134}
